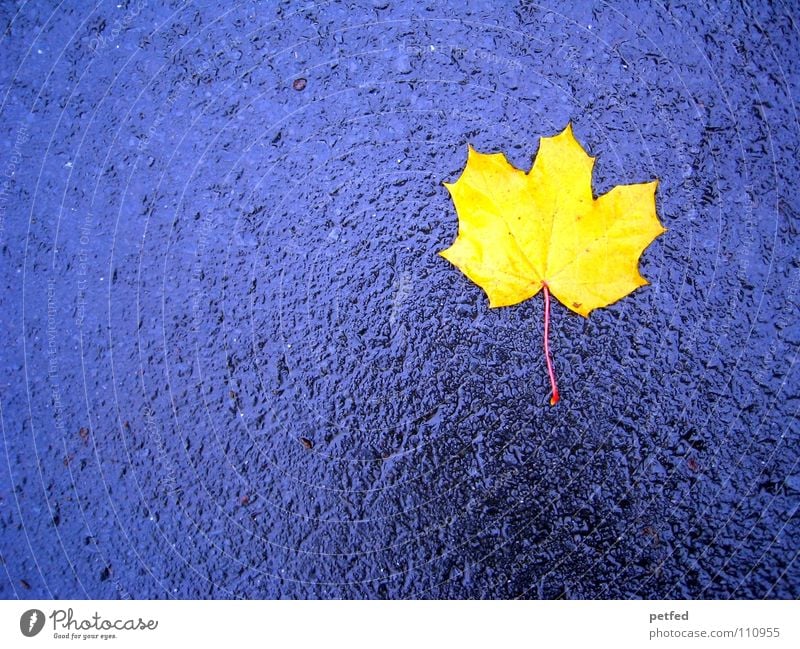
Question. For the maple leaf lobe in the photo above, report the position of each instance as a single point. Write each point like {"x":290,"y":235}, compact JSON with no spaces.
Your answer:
{"x":519,"y":231}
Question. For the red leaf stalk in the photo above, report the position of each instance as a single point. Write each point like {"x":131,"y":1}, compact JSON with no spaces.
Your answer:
{"x":555,"y":396}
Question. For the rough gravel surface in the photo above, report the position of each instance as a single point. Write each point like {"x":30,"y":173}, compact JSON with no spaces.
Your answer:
{"x":234,"y":366}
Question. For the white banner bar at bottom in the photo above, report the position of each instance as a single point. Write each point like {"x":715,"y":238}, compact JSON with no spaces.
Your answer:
{"x":379,"y":624}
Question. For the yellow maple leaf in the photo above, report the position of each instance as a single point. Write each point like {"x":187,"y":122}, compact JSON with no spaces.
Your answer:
{"x":519,"y":233}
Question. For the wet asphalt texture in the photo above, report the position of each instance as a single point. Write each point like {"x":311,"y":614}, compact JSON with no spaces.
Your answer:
{"x":233,"y":364}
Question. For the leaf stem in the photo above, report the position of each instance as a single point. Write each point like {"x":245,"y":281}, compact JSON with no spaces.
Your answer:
{"x":555,"y":396}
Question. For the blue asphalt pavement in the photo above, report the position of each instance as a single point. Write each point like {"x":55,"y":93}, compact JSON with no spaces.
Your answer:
{"x":233,"y":364}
